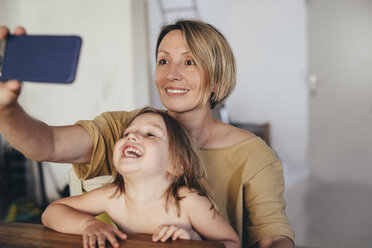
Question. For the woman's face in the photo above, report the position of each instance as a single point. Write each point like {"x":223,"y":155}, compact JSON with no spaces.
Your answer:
{"x":177,"y":77}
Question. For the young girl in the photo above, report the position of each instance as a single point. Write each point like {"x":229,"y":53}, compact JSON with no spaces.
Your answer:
{"x":158,"y":189}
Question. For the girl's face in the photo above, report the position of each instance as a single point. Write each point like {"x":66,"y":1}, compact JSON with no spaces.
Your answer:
{"x":144,"y":147}
{"x":177,"y":77}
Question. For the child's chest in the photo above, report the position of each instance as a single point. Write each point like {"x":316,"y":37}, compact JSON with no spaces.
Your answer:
{"x":147,"y":219}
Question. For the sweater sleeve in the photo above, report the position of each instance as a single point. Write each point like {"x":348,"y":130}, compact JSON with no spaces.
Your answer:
{"x":264,"y":205}
{"x":104,"y":131}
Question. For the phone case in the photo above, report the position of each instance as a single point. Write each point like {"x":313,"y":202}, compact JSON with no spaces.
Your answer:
{"x":39,"y":58}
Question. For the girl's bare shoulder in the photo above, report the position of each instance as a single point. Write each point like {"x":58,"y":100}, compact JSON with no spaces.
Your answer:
{"x":105,"y":191}
{"x":190,"y":197}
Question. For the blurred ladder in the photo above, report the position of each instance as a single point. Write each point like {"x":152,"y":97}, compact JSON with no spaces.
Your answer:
{"x":167,"y":11}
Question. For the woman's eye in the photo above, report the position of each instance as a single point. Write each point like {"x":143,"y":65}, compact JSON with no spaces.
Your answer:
{"x":190,"y":62}
{"x":126,"y":134}
{"x":149,"y":135}
{"x":163,"y":62}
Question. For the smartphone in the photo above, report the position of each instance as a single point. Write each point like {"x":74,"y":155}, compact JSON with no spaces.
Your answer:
{"x":39,"y":58}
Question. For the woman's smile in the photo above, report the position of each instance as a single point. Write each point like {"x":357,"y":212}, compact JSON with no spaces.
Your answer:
{"x":175,"y":91}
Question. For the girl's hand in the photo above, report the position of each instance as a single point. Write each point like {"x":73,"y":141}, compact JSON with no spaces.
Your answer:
{"x":97,"y":232}
{"x":164,"y":232}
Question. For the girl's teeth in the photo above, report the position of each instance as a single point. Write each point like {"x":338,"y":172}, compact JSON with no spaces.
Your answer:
{"x":132,"y":152}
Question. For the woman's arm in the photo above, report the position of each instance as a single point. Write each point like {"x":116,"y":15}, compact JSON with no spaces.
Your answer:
{"x":34,"y":138}
{"x":208,"y":222}
{"x":40,"y":142}
{"x":264,"y":204}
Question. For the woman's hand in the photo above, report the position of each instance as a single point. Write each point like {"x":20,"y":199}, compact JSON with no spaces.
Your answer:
{"x":10,"y":90}
{"x":97,"y":232}
{"x":164,"y":232}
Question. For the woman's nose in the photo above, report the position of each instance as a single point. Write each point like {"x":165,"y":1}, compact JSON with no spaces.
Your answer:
{"x":174,"y":72}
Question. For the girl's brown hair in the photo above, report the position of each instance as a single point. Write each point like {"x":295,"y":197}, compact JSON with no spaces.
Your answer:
{"x":185,"y":156}
{"x":213,"y":56}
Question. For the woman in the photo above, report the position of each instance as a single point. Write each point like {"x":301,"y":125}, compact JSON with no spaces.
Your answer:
{"x":195,"y":71}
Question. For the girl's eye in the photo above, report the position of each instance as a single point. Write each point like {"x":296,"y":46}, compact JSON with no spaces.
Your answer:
{"x":149,"y":135}
{"x":163,"y":62}
{"x":190,"y":62}
{"x":126,"y":134}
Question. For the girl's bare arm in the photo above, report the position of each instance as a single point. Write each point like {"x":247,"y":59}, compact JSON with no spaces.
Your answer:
{"x":208,"y":222}
{"x":71,"y":214}
{"x":75,"y":215}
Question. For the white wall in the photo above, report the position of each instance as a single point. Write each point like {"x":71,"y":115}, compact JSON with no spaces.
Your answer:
{"x":270,"y":46}
{"x":105,"y":79}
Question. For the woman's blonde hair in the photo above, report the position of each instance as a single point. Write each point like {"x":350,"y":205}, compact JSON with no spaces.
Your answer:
{"x":213,"y":56}
{"x":185,"y":156}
